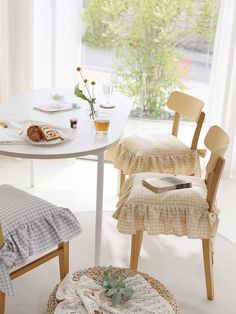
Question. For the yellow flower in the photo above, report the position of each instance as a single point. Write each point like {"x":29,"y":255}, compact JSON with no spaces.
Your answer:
{"x":78,"y":69}
{"x":85,"y":81}
{"x":93,"y":83}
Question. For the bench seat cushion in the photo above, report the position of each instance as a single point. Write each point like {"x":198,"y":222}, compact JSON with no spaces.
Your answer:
{"x":30,"y":226}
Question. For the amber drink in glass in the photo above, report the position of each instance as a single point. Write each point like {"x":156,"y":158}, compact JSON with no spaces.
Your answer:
{"x":102,"y":122}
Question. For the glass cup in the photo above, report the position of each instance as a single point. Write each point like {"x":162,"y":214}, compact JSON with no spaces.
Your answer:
{"x":58,"y":100}
{"x":107,"y":91}
{"x":102,"y":122}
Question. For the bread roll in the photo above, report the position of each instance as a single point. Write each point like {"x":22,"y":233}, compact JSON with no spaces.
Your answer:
{"x":34,"y":133}
{"x":49,"y":133}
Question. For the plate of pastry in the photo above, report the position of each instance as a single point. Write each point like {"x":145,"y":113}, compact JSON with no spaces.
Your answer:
{"x":43,"y":135}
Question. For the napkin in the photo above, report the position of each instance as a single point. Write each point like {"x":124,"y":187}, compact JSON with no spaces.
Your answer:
{"x":52,"y":108}
{"x":10,"y":136}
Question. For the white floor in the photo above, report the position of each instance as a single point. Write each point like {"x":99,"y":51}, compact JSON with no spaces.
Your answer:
{"x":72,"y":184}
{"x":176,"y":262}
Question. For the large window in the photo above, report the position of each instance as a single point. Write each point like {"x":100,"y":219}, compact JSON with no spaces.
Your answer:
{"x":149,"y":48}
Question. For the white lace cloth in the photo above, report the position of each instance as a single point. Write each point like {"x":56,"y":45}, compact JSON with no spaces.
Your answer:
{"x":85,"y":296}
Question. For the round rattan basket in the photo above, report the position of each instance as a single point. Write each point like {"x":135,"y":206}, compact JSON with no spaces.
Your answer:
{"x":97,"y":272}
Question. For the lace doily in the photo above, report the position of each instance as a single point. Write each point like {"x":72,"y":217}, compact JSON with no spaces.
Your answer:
{"x":85,"y":296}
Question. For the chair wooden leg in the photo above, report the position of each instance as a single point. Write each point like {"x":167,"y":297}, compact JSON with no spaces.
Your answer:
{"x":121,"y":180}
{"x":136,"y":244}
{"x":207,"y":257}
{"x":64,"y":259}
{"x":2,"y":302}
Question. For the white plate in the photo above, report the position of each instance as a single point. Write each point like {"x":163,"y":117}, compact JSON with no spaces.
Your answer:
{"x":107,"y":106}
{"x":24,"y":136}
{"x":42,"y":143}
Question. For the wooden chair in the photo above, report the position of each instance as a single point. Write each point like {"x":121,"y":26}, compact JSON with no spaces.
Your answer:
{"x":137,"y":153}
{"x":62,"y":252}
{"x":217,"y":142}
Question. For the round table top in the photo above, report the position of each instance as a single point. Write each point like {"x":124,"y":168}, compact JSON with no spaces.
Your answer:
{"x":85,"y":140}
{"x":97,"y":273}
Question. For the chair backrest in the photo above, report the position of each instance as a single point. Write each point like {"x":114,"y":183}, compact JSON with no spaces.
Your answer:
{"x":217,"y":141}
{"x":190,"y":107}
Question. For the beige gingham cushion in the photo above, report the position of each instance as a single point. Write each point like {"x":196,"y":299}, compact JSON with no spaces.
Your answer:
{"x":163,"y":153}
{"x":182,"y":212}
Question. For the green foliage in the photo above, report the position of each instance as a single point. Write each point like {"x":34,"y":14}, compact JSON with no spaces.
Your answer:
{"x":145,"y":36}
{"x":103,"y":20}
{"x":207,"y":20}
{"x":79,"y":93}
{"x":90,"y":93}
{"x":116,"y":289}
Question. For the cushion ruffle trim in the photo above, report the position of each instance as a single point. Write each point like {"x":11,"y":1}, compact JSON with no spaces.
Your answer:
{"x":179,"y":221}
{"x":18,"y":246}
{"x":184,"y":163}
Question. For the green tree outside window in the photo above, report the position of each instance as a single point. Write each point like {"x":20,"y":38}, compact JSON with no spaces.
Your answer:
{"x":146,"y":37}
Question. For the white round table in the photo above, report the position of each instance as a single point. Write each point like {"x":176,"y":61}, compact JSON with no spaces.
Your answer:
{"x":85,"y":140}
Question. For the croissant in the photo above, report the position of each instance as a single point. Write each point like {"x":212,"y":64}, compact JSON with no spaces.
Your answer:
{"x":34,"y":133}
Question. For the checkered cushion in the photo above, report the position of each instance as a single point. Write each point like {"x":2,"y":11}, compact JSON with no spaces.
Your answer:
{"x":162,"y":153}
{"x":182,"y":212}
{"x":30,"y":226}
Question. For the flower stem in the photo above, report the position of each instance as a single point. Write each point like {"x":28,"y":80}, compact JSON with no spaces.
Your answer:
{"x":86,"y":86}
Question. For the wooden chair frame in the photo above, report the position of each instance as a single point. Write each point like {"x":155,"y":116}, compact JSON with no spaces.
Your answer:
{"x":62,"y":252}
{"x":178,"y":102}
{"x":218,"y":145}
{"x":197,"y":131}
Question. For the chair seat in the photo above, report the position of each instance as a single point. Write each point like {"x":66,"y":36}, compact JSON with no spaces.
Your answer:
{"x":30,"y":226}
{"x":182,"y":212}
{"x":163,"y":153}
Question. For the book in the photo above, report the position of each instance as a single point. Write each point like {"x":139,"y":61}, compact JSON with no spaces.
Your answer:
{"x":167,"y":183}
{"x":51,"y":108}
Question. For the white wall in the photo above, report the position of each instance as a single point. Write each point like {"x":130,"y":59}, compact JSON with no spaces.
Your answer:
{"x":15,"y":46}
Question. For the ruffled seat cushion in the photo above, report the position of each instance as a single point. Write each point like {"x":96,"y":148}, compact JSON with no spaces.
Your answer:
{"x":163,"y":153}
{"x":30,"y":226}
{"x":182,"y":212}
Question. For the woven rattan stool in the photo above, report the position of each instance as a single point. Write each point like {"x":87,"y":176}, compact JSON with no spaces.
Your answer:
{"x":97,"y":272}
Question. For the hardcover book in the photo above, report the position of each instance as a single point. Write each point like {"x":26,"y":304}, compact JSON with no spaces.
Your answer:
{"x":167,"y":183}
